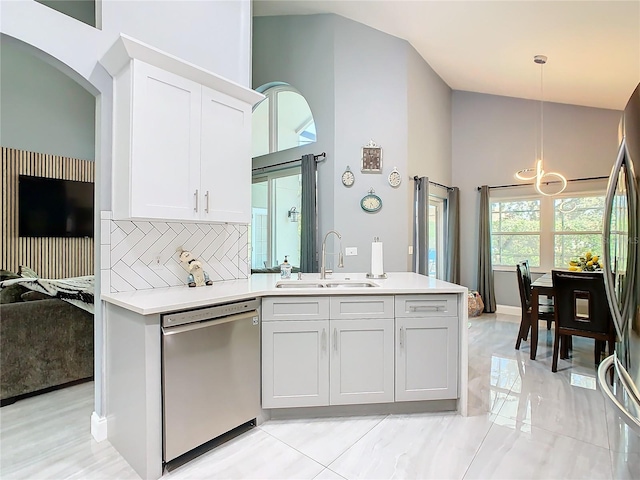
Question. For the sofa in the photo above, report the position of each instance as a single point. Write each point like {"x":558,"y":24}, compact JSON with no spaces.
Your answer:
{"x":45,"y":343}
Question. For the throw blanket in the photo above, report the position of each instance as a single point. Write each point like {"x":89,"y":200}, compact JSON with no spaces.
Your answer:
{"x":75,"y":290}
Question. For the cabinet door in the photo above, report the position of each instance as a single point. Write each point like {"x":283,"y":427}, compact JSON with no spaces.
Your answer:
{"x":226,"y":158}
{"x":361,"y":361}
{"x":295,"y":363}
{"x":165,"y":145}
{"x":426,"y":358}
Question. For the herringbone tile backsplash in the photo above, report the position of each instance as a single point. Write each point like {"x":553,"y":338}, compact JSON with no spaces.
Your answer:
{"x":141,"y":255}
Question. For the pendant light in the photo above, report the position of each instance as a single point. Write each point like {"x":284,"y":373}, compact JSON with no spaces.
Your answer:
{"x":537,"y":173}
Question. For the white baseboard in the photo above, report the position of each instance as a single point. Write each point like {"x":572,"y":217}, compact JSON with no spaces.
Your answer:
{"x":508,"y":310}
{"x":98,"y":427}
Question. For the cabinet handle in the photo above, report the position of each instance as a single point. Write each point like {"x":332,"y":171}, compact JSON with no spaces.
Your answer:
{"x":206,"y":206}
{"x":196,"y":195}
{"x":428,"y":308}
{"x":401,"y":340}
{"x":323,"y":340}
{"x":335,"y":339}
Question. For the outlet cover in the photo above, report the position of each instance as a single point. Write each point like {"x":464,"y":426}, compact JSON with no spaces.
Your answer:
{"x":350,"y":251}
{"x":155,"y":264}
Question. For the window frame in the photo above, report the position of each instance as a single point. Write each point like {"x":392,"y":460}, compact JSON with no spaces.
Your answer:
{"x":271,"y":92}
{"x":547,"y":219}
{"x":440,"y":205}
{"x":270,"y":177}
{"x":527,"y":233}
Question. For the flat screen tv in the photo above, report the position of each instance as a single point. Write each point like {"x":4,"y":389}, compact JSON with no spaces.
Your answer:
{"x":51,"y":207}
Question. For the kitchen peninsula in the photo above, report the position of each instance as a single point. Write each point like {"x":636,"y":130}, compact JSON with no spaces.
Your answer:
{"x":346,"y":344}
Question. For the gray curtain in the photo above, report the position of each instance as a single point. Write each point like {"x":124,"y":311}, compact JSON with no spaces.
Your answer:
{"x":452,"y":237}
{"x":485,"y":268}
{"x":309,"y":215}
{"x":421,"y":225}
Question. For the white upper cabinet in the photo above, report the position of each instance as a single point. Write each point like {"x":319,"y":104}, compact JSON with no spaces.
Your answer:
{"x":182,"y":139}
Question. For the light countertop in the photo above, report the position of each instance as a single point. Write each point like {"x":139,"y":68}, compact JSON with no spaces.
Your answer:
{"x":170,"y":299}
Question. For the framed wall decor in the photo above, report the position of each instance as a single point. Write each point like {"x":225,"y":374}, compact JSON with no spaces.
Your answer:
{"x":371,"y":158}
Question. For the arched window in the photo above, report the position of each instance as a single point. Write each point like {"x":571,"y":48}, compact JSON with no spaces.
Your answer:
{"x":282,"y":120}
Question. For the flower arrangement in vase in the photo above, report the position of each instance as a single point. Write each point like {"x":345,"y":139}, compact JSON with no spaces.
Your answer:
{"x":586,"y":263}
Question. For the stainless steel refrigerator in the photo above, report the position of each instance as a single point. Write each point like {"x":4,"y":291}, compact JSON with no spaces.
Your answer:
{"x":621,"y":249}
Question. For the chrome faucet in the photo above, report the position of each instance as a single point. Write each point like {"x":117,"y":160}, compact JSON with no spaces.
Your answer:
{"x":323,"y":269}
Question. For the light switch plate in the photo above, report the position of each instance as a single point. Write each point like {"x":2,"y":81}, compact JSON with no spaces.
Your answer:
{"x":350,"y":251}
{"x":410,"y":249}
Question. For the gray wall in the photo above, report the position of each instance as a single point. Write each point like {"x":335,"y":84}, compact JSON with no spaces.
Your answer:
{"x":361,"y":85}
{"x":371,"y":103}
{"x":298,"y":50}
{"x":493,"y":137}
{"x":83,"y":10}
{"x":429,"y":113}
{"x":43,"y":110}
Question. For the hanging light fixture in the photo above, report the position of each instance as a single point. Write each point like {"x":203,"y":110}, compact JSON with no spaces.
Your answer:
{"x":537,"y":173}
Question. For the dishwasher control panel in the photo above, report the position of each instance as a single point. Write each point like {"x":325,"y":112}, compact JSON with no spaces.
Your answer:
{"x":209,"y":313}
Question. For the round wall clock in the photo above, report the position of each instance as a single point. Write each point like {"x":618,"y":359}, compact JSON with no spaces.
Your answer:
{"x":395,"y":178}
{"x":348,"y":178}
{"x":371,"y":203}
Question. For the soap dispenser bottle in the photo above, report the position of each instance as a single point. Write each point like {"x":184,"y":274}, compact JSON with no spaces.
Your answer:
{"x":285,"y":268}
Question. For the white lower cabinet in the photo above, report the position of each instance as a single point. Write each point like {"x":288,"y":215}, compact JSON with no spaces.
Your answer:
{"x":295,"y":363}
{"x":426,"y":348}
{"x":341,"y":350}
{"x":361,"y":361}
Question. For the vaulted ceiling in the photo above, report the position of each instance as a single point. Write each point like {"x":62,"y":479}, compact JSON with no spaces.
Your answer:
{"x":593,"y":47}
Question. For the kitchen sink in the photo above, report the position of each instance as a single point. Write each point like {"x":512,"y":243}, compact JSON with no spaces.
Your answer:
{"x":326,"y":284}
{"x":350,"y":284}
{"x":295,"y":284}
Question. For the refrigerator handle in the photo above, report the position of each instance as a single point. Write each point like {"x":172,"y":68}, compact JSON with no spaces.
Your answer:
{"x":627,"y":417}
{"x":606,"y":238}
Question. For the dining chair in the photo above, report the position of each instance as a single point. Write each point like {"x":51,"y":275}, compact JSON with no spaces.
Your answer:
{"x":545,"y":310}
{"x":581,"y":309}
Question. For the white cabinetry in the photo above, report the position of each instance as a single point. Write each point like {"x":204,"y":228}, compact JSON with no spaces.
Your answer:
{"x":361,"y":359}
{"x":295,"y":357}
{"x":357,"y":349}
{"x":311,"y":357}
{"x":182,"y":139}
{"x":157,"y":150}
{"x":426,"y":347}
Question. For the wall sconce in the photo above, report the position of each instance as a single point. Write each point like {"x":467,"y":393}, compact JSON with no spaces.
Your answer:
{"x":293,"y":214}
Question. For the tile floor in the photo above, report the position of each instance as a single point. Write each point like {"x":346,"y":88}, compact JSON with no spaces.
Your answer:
{"x":525,"y":422}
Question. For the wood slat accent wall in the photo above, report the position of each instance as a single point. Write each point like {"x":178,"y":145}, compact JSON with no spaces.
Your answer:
{"x":48,"y":256}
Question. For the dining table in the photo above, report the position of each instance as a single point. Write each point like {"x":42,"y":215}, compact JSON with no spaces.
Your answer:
{"x":541,"y":286}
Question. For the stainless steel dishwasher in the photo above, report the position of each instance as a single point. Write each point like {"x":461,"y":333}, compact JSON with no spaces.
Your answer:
{"x":210,"y":373}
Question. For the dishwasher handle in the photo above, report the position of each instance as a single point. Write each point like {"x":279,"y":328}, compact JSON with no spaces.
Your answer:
{"x":253,"y":314}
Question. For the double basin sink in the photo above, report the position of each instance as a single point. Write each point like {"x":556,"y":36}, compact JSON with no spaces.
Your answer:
{"x":325,"y":284}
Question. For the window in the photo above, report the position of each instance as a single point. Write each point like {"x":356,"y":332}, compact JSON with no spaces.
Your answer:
{"x":274,"y":232}
{"x":436,"y":237}
{"x":548,"y":231}
{"x":515,"y":232}
{"x":577,"y":227}
{"x":281,"y":121}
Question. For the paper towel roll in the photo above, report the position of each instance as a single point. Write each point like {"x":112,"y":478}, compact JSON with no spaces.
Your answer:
{"x":376,"y":258}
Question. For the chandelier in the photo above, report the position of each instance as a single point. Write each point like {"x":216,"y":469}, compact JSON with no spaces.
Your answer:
{"x":537,"y":173}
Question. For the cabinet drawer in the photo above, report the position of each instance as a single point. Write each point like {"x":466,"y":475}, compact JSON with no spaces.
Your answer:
{"x":361,"y":306}
{"x":426,"y":306}
{"x":295,"y":308}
